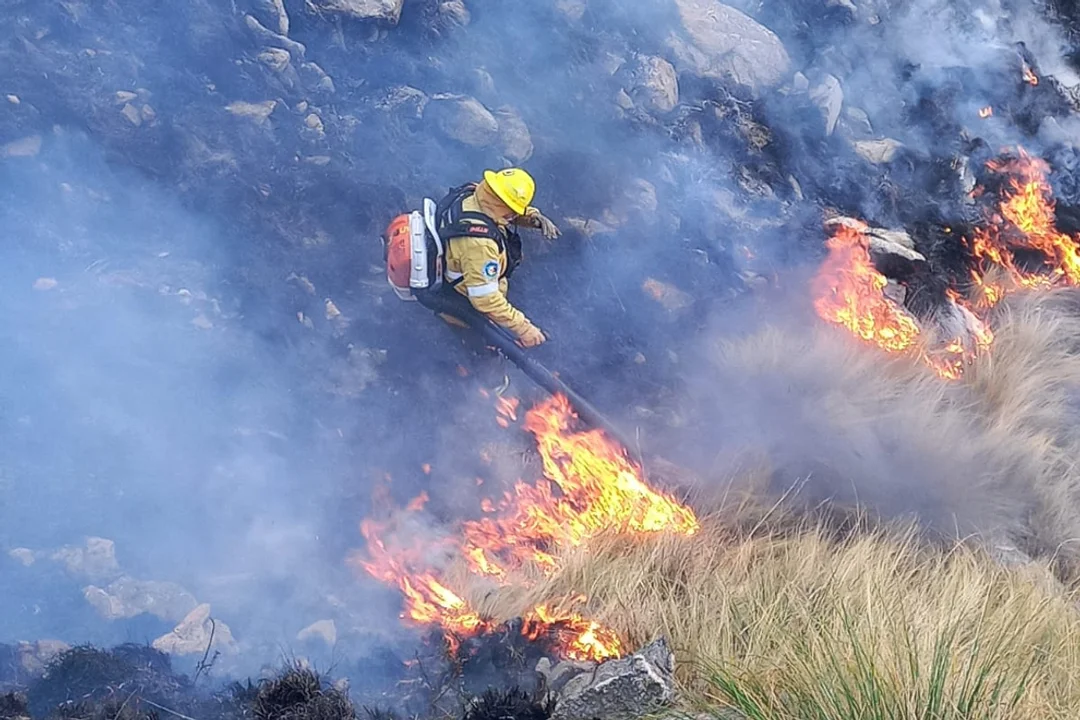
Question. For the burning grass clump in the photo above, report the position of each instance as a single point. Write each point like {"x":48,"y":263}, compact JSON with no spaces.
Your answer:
{"x":299,"y":693}
{"x":803,"y":624}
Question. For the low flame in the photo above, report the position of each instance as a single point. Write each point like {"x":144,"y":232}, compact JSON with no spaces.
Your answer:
{"x":848,"y":288}
{"x":1029,"y":76}
{"x":590,"y":486}
{"x":986,"y":112}
{"x":848,"y":291}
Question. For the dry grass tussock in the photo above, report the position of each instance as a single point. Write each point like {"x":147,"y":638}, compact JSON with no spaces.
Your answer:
{"x":802,"y":624}
{"x":830,"y":422}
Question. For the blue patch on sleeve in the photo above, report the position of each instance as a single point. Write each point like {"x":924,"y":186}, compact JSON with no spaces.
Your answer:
{"x":491,"y":269}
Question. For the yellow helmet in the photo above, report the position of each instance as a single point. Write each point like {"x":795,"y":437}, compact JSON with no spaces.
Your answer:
{"x":513,"y":186}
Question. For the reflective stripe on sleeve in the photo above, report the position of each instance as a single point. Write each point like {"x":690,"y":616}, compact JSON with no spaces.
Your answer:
{"x":482,"y":290}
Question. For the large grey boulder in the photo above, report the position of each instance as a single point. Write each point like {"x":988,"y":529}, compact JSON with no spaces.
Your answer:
{"x":727,"y":44}
{"x":515,"y":141}
{"x":464,"y":119}
{"x":388,"y":11}
{"x":653,"y":84}
{"x":622,"y":689}
{"x":273,"y":15}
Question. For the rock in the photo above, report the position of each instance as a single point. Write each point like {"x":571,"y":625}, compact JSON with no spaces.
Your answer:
{"x":194,"y":633}
{"x":97,"y":560}
{"x":26,"y":147}
{"x":33,"y":658}
{"x":275,"y":58}
{"x":727,"y":44}
{"x":515,"y":142}
{"x":324,"y":630}
{"x":387,"y":11}
{"x":572,"y":10}
{"x":274,"y":15}
{"x":259,"y":112}
{"x":892,"y":251}
{"x":313,"y":128}
{"x":629,"y":687}
{"x":273,"y":39}
{"x":453,"y":14}
{"x":829,"y":97}
{"x":877,"y":152}
{"x":655,"y":85}
{"x":846,"y":4}
{"x":952,"y":321}
{"x":315,"y":78}
{"x":13,"y":99}
{"x":464,"y":119}
{"x":562,"y":673}
{"x":404,"y":99}
{"x":858,"y":122}
{"x":123,"y":97}
{"x":132,"y":114}
{"x":588,"y":227}
{"x":128,"y":598}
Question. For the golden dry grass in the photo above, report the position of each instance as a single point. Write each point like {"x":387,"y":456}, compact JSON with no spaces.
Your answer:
{"x":876,"y":625}
{"x":784,"y":619}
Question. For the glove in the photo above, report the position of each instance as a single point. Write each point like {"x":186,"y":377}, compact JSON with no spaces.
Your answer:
{"x":543,"y":224}
{"x":531,"y":337}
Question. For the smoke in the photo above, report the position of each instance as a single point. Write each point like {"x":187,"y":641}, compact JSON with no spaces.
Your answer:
{"x":206,"y":367}
{"x":140,"y":409}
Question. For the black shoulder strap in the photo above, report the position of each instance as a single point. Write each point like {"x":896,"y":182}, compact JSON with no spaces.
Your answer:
{"x":474,"y":224}
{"x":447,"y":209}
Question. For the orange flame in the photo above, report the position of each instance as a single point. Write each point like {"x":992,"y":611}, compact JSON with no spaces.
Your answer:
{"x":986,"y":112}
{"x":590,"y":486}
{"x":1025,"y":221}
{"x":1029,"y":76}
{"x":848,"y":291}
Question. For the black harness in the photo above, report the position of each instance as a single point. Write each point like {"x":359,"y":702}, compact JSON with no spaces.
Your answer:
{"x":452,"y":221}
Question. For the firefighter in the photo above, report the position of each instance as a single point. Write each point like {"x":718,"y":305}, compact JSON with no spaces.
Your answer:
{"x":478,"y":222}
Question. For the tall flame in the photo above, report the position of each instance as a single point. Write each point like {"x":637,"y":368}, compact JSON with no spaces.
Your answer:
{"x":1024,"y":221}
{"x":590,"y":486}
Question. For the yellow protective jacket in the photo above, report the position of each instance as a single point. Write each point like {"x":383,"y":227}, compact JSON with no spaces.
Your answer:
{"x":479,"y":264}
